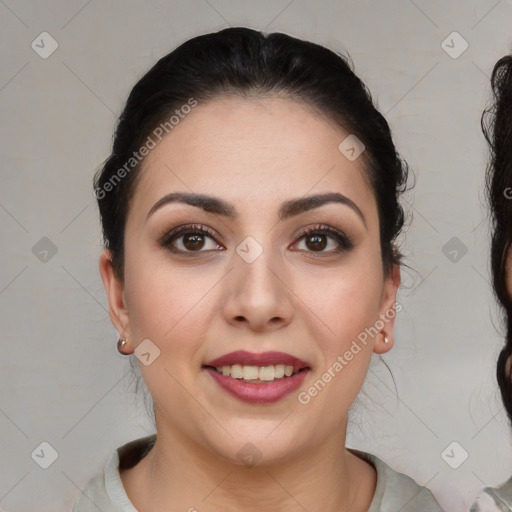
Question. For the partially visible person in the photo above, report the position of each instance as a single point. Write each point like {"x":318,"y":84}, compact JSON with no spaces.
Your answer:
{"x":497,"y":127}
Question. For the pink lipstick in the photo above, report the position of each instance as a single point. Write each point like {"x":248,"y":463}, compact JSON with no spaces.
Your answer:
{"x":258,"y":378}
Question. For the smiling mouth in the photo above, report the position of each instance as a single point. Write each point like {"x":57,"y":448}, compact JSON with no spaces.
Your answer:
{"x":258,"y":374}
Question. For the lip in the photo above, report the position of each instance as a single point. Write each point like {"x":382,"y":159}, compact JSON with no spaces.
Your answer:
{"x":266,"y":392}
{"x":264,"y":359}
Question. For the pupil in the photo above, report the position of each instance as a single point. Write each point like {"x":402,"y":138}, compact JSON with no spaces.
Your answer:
{"x":318,"y":241}
{"x":193,"y":241}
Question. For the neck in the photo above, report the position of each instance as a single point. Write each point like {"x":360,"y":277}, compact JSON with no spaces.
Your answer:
{"x":178,"y":474}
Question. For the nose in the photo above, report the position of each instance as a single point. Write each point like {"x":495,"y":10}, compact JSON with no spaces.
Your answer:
{"x":258,"y":295}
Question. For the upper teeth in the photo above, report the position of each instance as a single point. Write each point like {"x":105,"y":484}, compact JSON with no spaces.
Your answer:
{"x":237,"y":371}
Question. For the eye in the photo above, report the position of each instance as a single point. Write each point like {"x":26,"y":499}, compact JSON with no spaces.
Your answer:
{"x":316,"y":239}
{"x":194,"y":238}
{"x":189,"y":239}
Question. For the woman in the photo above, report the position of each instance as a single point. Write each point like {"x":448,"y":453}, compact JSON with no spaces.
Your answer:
{"x":249,"y":211}
{"x":497,"y":127}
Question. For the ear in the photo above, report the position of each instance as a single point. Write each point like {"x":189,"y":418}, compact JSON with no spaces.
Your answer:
{"x":115,"y":295}
{"x":384,"y":340}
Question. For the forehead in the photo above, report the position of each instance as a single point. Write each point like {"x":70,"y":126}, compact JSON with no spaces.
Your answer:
{"x":252,"y":148}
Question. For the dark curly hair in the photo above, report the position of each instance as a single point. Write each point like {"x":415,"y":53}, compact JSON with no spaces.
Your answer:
{"x":244,"y":62}
{"x":497,"y":128}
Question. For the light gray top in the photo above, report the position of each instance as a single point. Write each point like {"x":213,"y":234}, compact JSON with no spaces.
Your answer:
{"x":494,"y":499}
{"x":394,"y":492}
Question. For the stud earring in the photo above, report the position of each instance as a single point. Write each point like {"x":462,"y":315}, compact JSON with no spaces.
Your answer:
{"x":386,"y":339}
{"x":121,"y":343}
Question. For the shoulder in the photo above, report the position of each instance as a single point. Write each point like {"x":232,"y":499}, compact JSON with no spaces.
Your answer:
{"x":94,"y":496}
{"x":484,"y":503}
{"x":396,"y":491}
{"x":494,"y":499}
{"x":105,"y":491}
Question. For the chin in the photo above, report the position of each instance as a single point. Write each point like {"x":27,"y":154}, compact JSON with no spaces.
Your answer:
{"x":263,"y":446}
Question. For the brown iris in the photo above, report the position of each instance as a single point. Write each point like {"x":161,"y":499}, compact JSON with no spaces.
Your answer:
{"x":193,"y":241}
{"x":318,"y":242}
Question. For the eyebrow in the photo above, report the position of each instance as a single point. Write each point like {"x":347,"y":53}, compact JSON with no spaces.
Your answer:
{"x":289,"y":208}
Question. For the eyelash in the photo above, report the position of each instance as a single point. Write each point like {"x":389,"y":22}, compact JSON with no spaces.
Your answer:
{"x":344,"y":242}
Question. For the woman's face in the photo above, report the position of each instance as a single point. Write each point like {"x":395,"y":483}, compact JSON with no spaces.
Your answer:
{"x":252,"y":281}
{"x":508,"y":271}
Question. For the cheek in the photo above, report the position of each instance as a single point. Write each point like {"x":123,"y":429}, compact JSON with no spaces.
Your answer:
{"x":169,"y":306}
{"x":347,"y":304}
{"x":346,"y":300}
{"x":157,"y":297}
{"x":165,"y":309}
